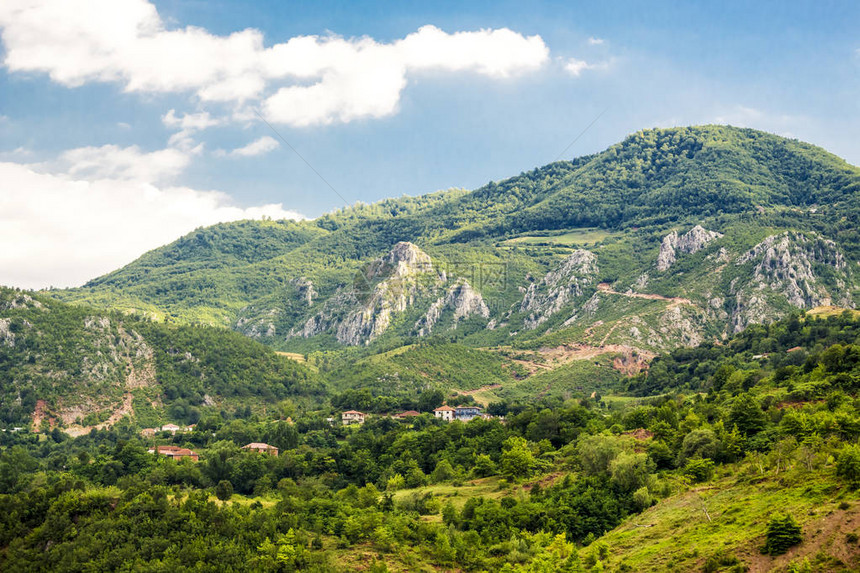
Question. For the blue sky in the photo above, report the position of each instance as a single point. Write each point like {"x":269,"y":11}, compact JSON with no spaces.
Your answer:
{"x":126,"y":123}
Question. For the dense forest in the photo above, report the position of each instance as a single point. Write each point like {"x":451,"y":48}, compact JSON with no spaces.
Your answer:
{"x":775,"y":406}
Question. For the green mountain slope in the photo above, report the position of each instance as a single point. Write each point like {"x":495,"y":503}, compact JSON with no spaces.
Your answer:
{"x":78,"y":367}
{"x":671,"y":237}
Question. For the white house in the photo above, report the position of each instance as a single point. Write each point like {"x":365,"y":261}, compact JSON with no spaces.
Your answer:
{"x":444,"y":412}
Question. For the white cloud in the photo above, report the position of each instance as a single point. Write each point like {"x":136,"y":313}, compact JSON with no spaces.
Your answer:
{"x":304,"y":81}
{"x":97,"y":209}
{"x":592,"y":41}
{"x":188,"y":124}
{"x":122,"y":163}
{"x":189,"y":121}
{"x":576,"y":67}
{"x":257,"y":147}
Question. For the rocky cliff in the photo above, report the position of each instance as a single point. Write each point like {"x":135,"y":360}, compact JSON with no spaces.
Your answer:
{"x":559,"y":287}
{"x":690,"y":242}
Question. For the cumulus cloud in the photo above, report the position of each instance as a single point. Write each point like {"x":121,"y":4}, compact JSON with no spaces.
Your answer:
{"x":592,"y":41}
{"x":257,"y":147}
{"x":188,"y":124}
{"x":306,"y":80}
{"x":97,"y":208}
{"x":122,"y":163}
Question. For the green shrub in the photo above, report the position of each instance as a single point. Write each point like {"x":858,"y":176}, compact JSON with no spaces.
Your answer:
{"x":224,"y":490}
{"x":848,"y":465}
{"x":720,"y":560}
{"x":782,"y":532}
{"x":699,"y":469}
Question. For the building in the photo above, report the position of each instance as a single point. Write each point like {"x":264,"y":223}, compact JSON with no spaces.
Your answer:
{"x":407,"y":414}
{"x":352,"y":417}
{"x":466,"y":413}
{"x":172,"y":428}
{"x":174,"y":452}
{"x":148,"y":432}
{"x":261,"y":448}
{"x":446,"y":413}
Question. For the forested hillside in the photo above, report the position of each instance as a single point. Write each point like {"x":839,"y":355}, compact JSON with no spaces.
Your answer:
{"x":76,"y":367}
{"x":743,"y":461}
{"x":706,"y":221}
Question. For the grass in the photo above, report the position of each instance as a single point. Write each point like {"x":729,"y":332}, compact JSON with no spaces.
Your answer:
{"x":576,"y":379}
{"x":457,"y":495}
{"x":827,"y":311}
{"x":579,"y":237}
{"x":677,"y":534}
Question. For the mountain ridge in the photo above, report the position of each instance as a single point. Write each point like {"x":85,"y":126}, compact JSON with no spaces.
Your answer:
{"x":669,"y":212}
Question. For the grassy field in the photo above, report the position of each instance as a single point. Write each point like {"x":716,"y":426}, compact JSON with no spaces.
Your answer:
{"x":578,"y":237}
{"x":678,"y":534}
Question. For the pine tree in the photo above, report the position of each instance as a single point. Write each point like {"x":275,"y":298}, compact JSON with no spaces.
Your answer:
{"x":782,"y":532}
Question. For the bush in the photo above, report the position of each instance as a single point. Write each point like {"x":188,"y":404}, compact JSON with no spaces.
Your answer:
{"x":224,"y":490}
{"x":699,"y":469}
{"x":782,"y":532}
{"x":720,"y":560}
{"x":848,"y":465}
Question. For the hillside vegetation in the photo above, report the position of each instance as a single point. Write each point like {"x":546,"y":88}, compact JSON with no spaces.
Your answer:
{"x":75,"y":366}
{"x":741,"y":226}
{"x":753,"y":466}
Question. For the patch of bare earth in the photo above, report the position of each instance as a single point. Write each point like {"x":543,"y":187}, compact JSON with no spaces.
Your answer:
{"x":675,"y":300}
{"x":824,"y":534}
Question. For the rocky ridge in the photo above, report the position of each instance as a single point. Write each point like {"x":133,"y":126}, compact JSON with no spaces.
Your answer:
{"x":690,"y":242}
{"x":789,"y":266}
{"x":559,"y":287}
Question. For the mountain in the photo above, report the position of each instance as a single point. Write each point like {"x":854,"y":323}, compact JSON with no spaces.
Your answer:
{"x":81,"y":368}
{"x":671,"y":237}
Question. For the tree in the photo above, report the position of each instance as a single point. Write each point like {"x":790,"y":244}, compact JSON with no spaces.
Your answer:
{"x":630,"y":471}
{"x":700,"y":443}
{"x":699,"y":469}
{"x":224,"y":490}
{"x":430,"y":400}
{"x":595,"y":454}
{"x":443,"y":472}
{"x":782,"y":532}
{"x":747,"y":415}
{"x":484,"y":466}
{"x":517,"y":460}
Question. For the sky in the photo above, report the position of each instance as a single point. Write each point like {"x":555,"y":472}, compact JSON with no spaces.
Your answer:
{"x":125,"y":124}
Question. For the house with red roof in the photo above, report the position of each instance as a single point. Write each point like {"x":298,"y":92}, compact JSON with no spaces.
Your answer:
{"x":446,"y":413}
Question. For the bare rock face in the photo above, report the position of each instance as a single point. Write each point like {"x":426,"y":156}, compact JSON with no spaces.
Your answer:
{"x":305,"y":289}
{"x":788,"y":265}
{"x":561,"y":285}
{"x":690,"y":242}
{"x":382,"y":289}
{"x":462,"y":299}
{"x":20,"y":301}
{"x":7,"y":337}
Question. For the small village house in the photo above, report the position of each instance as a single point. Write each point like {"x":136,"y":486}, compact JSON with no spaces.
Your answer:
{"x":446,"y":413}
{"x":352,"y":417}
{"x":466,"y":413}
{"x":174,"y":452}
{"x":261,"y":448}
{"x":407,"y":414}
